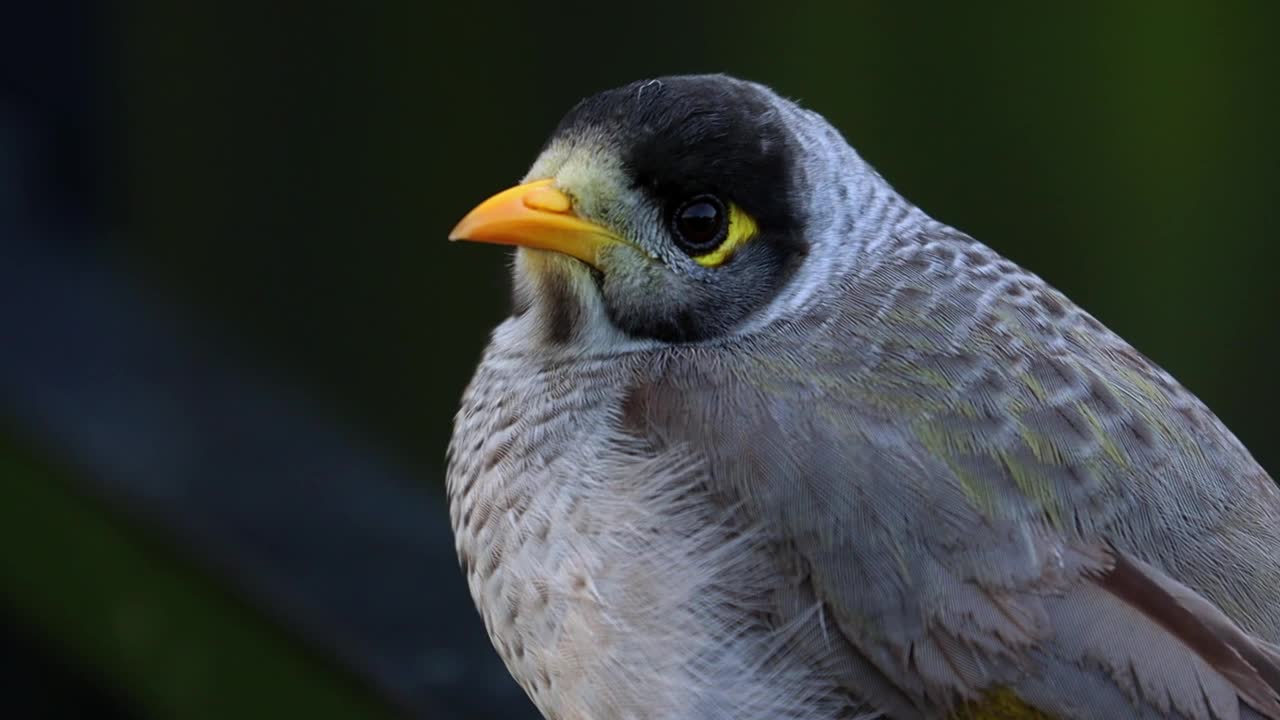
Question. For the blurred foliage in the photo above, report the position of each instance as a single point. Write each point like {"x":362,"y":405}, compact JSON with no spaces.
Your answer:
{"x":294,"y":171}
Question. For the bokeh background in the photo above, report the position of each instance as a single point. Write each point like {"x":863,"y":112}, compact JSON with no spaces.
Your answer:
{"x":232,"y":335}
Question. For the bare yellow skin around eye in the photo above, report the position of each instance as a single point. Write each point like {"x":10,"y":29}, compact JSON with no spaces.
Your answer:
{"x":741,"y":229}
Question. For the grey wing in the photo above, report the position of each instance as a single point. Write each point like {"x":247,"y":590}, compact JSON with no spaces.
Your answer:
{"x":979,"y":512}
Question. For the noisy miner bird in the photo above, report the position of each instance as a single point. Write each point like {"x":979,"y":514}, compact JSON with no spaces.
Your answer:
{"x":761,"y":439}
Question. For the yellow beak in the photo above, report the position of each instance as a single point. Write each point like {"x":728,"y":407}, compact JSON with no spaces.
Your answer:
{"x":535,"y":215}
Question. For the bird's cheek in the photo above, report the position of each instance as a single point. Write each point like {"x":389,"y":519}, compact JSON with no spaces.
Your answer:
{"x":625,"y":269}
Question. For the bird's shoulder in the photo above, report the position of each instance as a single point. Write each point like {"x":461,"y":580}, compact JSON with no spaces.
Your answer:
{"x":942,"y":367}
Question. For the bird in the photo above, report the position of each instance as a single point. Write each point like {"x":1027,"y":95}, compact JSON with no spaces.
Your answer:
{"x":763,"y":439}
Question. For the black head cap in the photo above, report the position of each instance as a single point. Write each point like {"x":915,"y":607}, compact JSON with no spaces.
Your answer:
{"x":685,"y":135}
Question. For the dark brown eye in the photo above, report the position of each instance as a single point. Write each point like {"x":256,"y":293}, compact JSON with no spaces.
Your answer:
{"x":699,"y":224}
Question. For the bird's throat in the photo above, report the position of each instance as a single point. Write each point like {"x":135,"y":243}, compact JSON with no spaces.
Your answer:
{"x":557,"y":294}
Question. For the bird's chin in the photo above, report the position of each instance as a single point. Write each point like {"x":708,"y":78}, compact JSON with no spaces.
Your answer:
{"x":542,"y":266}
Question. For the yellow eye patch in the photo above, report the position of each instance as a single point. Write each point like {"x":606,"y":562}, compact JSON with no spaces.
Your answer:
{"x":742,"y":227}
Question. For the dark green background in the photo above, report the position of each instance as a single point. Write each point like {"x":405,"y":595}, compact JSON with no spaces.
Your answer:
{"x":286,"y":174}
{"x":295,"y":173}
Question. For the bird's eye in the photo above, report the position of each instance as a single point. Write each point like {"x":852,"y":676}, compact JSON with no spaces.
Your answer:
{"x":700,"y":223}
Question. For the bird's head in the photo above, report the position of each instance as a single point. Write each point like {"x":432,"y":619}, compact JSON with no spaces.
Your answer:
{"x":675,"y":211}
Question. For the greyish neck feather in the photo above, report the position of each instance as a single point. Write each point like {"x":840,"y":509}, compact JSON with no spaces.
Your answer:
{"x":852,"y":217}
